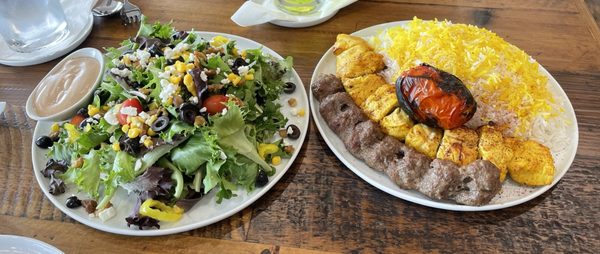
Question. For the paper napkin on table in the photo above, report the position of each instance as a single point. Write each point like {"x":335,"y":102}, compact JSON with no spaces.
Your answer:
{"x":256,"y":12}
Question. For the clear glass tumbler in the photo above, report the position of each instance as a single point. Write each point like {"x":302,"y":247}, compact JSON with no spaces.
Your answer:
{"x":29,"y":25}
{"x":299,"y":7}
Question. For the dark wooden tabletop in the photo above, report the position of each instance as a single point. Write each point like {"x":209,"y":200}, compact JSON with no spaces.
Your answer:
{"x":319,"y":204}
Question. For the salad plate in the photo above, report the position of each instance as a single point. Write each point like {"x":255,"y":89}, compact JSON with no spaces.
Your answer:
{"x":511,"y":194}
{"x":207,"y":210}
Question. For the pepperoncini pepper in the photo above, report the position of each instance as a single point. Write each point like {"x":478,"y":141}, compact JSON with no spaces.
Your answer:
{"x":160,"y":211}
{"x":266,"y":149}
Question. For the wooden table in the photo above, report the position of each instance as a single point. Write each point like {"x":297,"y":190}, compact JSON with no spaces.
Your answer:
{"x":320,"y":205}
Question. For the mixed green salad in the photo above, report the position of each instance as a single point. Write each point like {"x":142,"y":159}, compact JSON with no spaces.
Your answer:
{"x":175,"y":117}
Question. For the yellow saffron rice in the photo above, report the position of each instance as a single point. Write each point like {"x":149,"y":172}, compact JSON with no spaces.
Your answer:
{"x":506,"y":82}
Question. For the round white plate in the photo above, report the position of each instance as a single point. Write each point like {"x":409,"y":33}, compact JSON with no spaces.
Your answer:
{"x":13,"y":244}
{"x":511,"y":194}
{"x":79,"y":20}
{"x":206,"y":211}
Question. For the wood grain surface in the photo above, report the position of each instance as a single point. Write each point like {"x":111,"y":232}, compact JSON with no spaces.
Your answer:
{"x":320,"y":205}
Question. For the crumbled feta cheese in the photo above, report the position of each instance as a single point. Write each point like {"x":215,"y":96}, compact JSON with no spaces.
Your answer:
{"x":168,"y":89}
{"x":169,"y":53}
{"x":164,"y":75}
{"x":179,"y":48}
{"x":203,"y":109}
{"x":107,"y":213}
{"x":111,"y":103}
{"x":143,"y":56}
{"x":111,"y":117}
{"x":132,"y":57}
{"x":223,"y":155}
{"x":97,"y":116}
{"x":218,"y":70}
{"x":203,"y":76}
{"x":210,"y":55}
{"x":294,"y":111}
{"x":191,"y":58}
{"x":289,"y":131}
{"x":144,"y":115}
{"x":124,"y":73}
{"x":103,"y":176}
{"x":224,"y":111}
{"x":225,"y":81}
{"x":247,"y":60}
{"x":129,"y":110}
{"x":170,"y":68}
{"x":194,"y":99}
{"x":230,"y":61}
{"x":243,"y":70}
{"x":112,"y":139}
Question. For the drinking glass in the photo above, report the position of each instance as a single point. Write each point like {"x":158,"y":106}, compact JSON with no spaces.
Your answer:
{"x":28,"y":25}
{"x":299,"y":7}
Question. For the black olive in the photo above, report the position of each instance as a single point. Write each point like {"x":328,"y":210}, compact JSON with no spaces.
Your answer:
{"x":295,"y":134}
{"x":188,"y":112}
{"x":239,"y":62}
{"x":160,"y":124}
{"x":261,"y":179}
{"x":289,"y":87}
{"x":44,"y":142}
{"x":84,"y":123}
{"x":180,"y":35}
{"x":155,"y":50}
{"x":170,"y":62}
{"x":130,"y":145}
{"x":73,"y":202}
{"x":82,"y":112}
{"x":55,"y":138}
{"x":103,"y":95}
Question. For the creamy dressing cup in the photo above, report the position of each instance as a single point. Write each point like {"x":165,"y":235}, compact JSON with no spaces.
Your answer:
{"x":83,"y":96}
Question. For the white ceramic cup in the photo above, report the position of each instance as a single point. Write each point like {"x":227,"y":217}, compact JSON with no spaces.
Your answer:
{"x":29,"y":25}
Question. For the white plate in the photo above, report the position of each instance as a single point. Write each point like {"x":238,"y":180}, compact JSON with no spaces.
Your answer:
{"x":13,"y":244}
{"x":205,"y":212}
{"x":79,"y":20}
{"x":511,"y":194}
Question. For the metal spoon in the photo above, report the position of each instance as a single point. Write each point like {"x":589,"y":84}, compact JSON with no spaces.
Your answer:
{"x":106,"y":8}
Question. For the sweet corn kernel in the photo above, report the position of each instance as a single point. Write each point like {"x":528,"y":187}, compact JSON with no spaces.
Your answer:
{"x":188,"y":81}
{"x":150,"y":132}
{"x":169,"y":101}
{"x":116,"y":147}
{"x":249,"y":76}
{"x":276,"y":160}
{"x":219,"y":41}
{"x":133,"y":133}
{"x":153,"y":105}
{"x":105,"y":108}
{"x":125,"y":128}
{"x":55,"y":127}
{"x":93,"y":110}
{"x":301,"y":112}
{"x":151,"y":120}
{"x":179,"y":66}
{"x":235,"y":79}
{"x":137,"y":122}
{"x":243,"y":54}
{"x":126,"y":60}
{"x":148,"y":143}
{"x":189,"y":66}
{"x":235,"y":52}
{"x":175,"y":79}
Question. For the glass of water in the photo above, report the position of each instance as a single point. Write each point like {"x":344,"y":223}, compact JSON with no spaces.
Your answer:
{"x":28,"y":25}
{"x":299,"y":7}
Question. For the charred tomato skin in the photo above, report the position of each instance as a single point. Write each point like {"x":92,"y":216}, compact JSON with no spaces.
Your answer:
{"x":435,"y":97}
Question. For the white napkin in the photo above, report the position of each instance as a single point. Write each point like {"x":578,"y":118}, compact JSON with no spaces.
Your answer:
{"x":256,"y":12}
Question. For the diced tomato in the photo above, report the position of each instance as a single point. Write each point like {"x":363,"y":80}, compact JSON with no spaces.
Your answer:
{"x":76,"y":120}
{"x":215,"y":103}
{"x":132,"y":102}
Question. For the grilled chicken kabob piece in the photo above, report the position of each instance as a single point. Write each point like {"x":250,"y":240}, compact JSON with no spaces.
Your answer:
{"x":473,"y":184}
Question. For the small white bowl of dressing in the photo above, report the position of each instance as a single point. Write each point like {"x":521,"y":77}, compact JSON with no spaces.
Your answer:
{"x":68,"y":87}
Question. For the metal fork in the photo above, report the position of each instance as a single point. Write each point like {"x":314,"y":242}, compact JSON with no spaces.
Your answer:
{"x":130,"y":13}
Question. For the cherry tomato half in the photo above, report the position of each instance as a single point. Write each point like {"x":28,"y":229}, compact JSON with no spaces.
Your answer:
{"x":76,"y":120}
{"x":132,"y":102}
{"x":215,"y":103}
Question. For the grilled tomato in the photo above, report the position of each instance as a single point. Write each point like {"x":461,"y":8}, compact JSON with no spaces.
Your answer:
{"x":435,"y":97}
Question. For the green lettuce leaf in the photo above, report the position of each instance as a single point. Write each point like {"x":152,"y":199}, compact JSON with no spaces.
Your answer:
{"x":158,"y":30}
{"x":86,"y":178}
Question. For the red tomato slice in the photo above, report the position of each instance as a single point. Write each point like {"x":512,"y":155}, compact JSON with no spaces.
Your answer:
{"x":76,"y":120}
{"x":132,"y":102}
{"x":215,"y":103}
